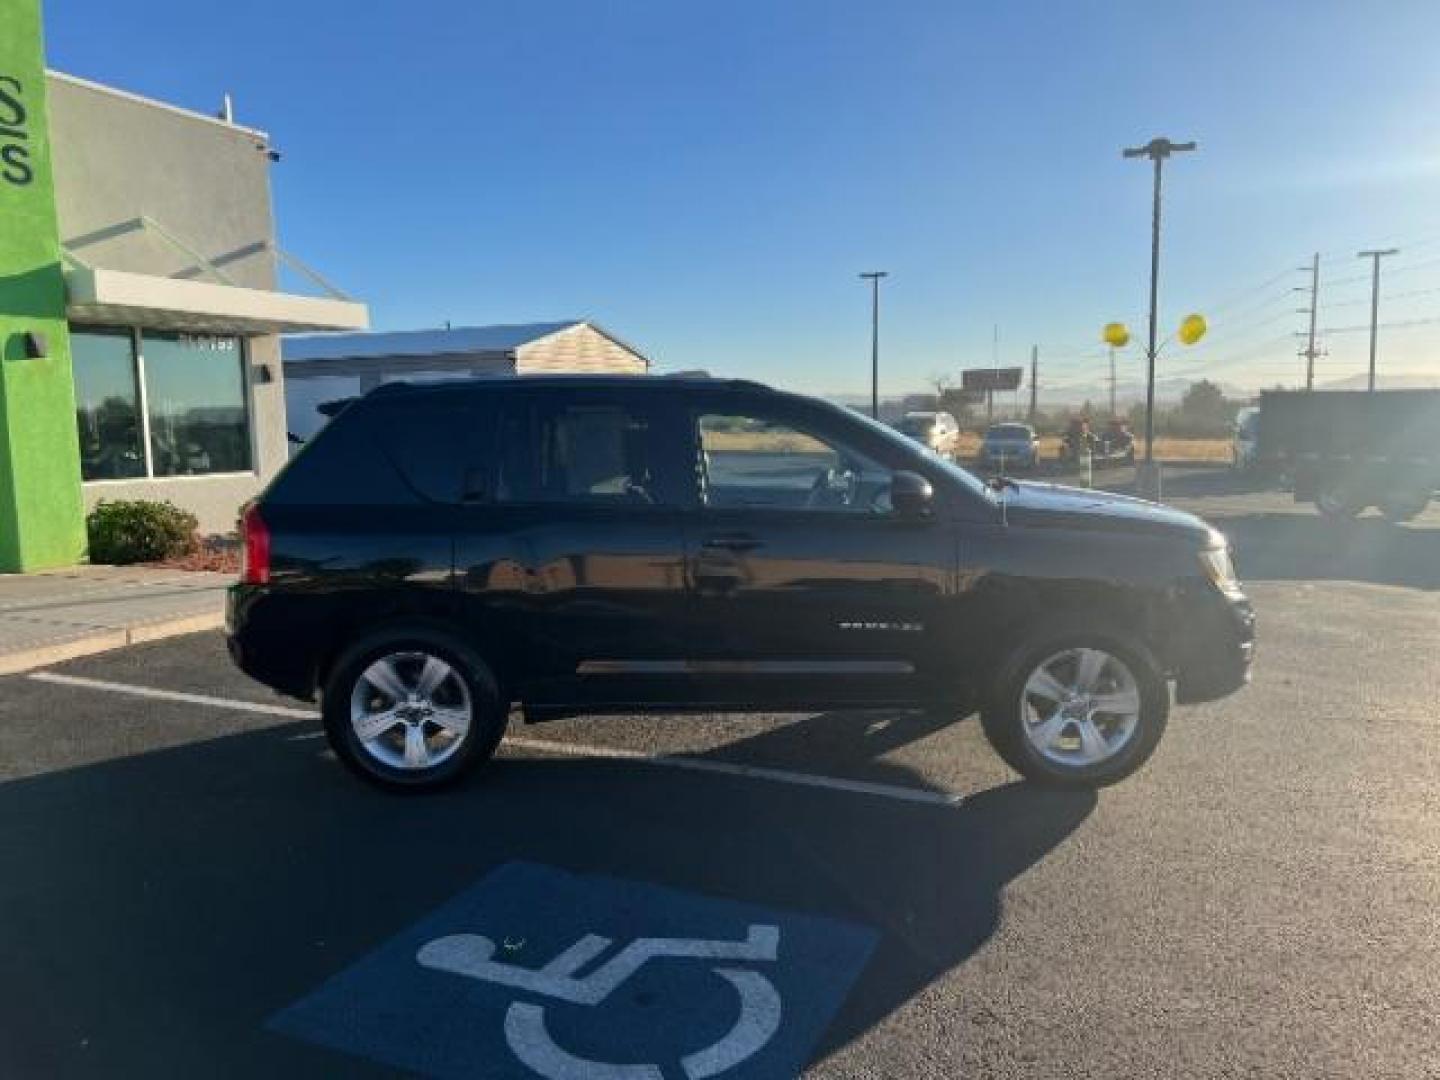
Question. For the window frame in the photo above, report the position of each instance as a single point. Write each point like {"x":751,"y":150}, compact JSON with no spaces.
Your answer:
{"x":136,"y":335}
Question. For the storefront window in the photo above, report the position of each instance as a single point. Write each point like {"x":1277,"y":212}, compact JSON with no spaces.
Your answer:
{"x":107,"y":404}
{"x":195,"y":392}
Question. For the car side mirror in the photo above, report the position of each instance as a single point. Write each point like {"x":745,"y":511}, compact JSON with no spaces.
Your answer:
{"x":911,"y":495}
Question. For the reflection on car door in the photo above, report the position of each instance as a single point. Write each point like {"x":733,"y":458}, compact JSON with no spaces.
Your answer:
{"x":805,"y":587}
{"x":570,"y":555}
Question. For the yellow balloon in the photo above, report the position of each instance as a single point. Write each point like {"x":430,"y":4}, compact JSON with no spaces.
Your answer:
{"x":1117,"y":334}
{"x":1192,"y":329}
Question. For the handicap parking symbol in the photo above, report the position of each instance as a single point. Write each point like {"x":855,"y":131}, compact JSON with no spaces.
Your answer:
{"x":534,"y":971}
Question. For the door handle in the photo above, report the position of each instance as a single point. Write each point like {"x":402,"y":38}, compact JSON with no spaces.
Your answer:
{"x":731,"y":542}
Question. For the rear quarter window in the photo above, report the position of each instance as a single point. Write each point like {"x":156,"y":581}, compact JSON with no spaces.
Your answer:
{"x":384,"y":452}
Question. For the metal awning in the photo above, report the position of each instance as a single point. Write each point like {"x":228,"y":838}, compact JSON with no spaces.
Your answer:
{"x":118,"y":297}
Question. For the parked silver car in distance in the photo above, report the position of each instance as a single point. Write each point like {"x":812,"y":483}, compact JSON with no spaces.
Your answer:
{"x":938,"y":431}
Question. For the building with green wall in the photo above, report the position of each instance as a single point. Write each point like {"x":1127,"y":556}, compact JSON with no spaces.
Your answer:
{"x":140,"y":305}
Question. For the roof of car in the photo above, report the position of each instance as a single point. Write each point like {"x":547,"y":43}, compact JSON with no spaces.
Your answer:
{"x":572,"y":382}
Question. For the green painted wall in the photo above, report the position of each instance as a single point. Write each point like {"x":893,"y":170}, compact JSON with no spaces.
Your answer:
{"x":42,"y":518}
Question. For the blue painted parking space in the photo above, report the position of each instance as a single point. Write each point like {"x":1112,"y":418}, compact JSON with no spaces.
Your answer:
{"x":535,"y":971}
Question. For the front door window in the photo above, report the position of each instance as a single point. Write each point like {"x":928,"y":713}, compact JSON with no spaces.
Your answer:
{"x":752,"y":461}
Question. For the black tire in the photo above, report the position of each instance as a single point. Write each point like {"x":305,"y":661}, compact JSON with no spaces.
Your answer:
{"x":1337,"y":502}
{"x":488,"y":711}
{"x":1403,"y":505}
{"x":1004,"y":723}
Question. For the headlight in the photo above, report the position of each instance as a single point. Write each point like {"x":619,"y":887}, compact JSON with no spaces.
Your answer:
{"x":1219,"y":569}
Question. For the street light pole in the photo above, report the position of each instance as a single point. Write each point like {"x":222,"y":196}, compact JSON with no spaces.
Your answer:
{"x":874,"y":276}
{"x":1375,"y":257}
{"x":1157,"y":150}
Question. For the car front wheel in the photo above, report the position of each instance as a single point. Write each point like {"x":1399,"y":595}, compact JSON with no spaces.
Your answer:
{"x":412,"y":708}
{"x":1080,"y":709}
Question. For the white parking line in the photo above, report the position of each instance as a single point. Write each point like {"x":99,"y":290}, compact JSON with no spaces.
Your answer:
{"x":541,"y":746}
{"x":750,"y":772}
{"x":171,"y":695}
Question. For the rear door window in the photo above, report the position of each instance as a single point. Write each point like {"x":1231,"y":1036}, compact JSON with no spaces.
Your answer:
{"x":592,"y":452}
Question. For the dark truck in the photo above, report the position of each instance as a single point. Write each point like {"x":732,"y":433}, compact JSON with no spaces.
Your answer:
{"x":1349,"y":450}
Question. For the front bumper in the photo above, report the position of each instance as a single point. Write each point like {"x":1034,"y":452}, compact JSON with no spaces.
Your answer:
{"x":1217,"y":648}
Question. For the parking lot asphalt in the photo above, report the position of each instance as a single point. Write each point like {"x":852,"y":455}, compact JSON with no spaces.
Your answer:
{"x":1259,"y":901}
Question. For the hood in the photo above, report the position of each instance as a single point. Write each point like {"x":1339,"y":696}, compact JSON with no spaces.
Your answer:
{"x":1057,"y":506}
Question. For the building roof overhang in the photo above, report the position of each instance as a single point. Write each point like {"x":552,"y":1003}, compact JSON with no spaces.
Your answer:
{"x":119,"y":297}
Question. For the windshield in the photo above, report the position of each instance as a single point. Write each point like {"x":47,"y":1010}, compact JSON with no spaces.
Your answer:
{"x":967,"y":479}
{"x":1009,"y":431}
{"x":917,"y":425}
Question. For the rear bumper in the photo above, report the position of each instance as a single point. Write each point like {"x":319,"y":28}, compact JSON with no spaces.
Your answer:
{"x":265,"y":646}
{"x":1217,"y":648}
{"x":995,"y":458}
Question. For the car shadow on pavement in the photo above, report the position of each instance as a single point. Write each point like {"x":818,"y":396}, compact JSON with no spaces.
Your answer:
{"x":1307,"y":547}
{"x":933,"y":889}
{"x":158,"y":908}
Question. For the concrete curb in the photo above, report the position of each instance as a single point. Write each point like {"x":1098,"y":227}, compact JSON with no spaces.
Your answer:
{"x":105,"y":640}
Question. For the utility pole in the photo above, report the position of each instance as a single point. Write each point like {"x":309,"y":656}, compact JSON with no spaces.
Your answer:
{"x":1375,"y":256}
{"x":1309,"y":351}
{"x":1034,"y":379}
{"x":874,"y":276}
{"x":1157,"y":150}
{"x":1112,"y":382}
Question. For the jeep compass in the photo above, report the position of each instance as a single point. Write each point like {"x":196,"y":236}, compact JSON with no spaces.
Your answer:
{"x":441,"y":553}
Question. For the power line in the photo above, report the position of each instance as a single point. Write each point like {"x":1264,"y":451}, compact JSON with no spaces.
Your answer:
{"x":1404,"y":324}
{"x":1390,"y":298}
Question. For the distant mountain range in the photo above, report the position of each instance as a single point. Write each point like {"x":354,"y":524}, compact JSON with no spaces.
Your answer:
{"x":1167,"y":391}
{"x":1383,"y":382}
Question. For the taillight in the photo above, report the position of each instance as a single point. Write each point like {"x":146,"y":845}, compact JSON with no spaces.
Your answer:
{"x":255,"y":554}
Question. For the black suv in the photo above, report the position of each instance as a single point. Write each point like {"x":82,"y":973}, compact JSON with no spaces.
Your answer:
{"x":595,"y":544}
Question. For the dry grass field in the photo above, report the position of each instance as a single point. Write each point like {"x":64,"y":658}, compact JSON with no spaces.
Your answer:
{"x":764,"y":442}
{"x":1167,"y":448}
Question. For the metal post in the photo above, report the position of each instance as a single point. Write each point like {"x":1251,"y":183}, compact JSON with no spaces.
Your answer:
{"x":874,"y":277}
{"x":1157,"y":150}
{"x":1034,"y":380}
{"x":1375,"y":257}
{"x":1154,"y":295}
{"x":1112,"y":382}
{"x":1314,"y":306}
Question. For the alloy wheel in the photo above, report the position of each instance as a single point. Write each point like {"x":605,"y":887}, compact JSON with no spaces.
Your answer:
{"x":410,"y":710}
{"x":1080,"y":707}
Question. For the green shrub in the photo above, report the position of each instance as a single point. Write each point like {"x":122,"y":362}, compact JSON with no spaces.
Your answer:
{"x":139,"y":531}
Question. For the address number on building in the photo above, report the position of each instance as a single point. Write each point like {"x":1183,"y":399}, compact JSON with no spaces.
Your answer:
{"x":210,"y":342}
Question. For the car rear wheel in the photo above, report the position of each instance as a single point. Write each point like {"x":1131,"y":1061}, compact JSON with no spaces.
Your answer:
{"x":1082,"y":708}
{"x":412,"y":708}
{"x":1404,"y":504}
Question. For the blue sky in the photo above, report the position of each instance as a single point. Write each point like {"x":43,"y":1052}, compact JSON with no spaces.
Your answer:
{"x":708,"y":179}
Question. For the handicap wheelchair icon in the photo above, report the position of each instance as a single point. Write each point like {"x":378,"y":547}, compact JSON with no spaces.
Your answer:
{"x":472,"y":956}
